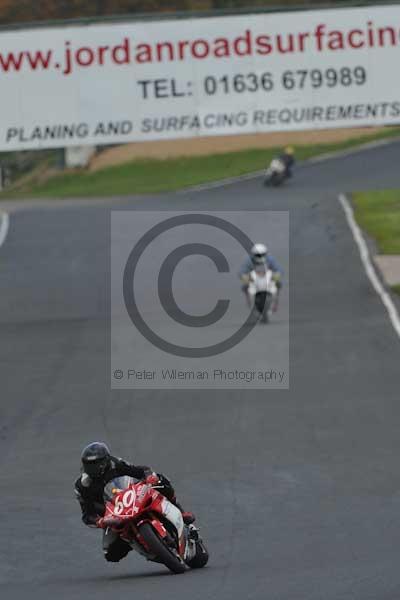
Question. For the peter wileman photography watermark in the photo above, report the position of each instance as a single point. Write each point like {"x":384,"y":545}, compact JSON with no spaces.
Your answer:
{"x":200,"y":299}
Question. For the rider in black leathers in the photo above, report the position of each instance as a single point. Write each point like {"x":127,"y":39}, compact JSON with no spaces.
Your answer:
{"x":98,"y":468}
{"x":288,"y":160}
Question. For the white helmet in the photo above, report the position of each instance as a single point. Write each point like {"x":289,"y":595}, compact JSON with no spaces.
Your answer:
{"x":259,"y":253}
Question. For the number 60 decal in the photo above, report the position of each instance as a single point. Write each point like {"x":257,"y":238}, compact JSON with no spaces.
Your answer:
{"x":126,"y":501}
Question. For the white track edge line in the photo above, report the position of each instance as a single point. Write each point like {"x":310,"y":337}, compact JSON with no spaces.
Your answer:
{"x":368,"y":265}
{"x":4,"y":226}
{"x":221,"y":182}
{"x":354,"y":150}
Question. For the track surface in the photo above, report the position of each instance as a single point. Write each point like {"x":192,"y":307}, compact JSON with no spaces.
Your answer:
{"x":298,"y":492}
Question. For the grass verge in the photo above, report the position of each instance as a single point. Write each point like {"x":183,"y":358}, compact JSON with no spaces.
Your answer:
{"x":378,"y":213}
{"x":153,"y":176}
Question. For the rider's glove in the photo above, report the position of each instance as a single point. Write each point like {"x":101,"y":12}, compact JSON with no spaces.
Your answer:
{"x":277,"y":278}
{"x":100,"y":523}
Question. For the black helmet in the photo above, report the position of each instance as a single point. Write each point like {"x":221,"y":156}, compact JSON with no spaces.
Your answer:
{"x":96,"y":459}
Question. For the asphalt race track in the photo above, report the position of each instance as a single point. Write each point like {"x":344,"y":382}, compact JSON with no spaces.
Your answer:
{"x":297,"y":492}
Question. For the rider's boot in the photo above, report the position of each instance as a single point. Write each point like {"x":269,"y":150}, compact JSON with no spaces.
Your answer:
{"x":188,"y":517}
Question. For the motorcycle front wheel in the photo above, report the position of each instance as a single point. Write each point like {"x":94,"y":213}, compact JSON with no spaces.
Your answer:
{"x":160,"y":550}
{"x":277,"y":179}
{"x":201,"y":558}
{"x":262,"y":303}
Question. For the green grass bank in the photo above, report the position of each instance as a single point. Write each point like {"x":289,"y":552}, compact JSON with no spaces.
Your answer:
{"x":378,"y":213}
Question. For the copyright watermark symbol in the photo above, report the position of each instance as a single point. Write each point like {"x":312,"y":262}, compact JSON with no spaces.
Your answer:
{"x":178,"y":303}
{"x":165,"y":292}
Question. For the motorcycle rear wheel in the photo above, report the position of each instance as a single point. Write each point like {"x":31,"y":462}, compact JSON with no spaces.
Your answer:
{"x":160,"y":550}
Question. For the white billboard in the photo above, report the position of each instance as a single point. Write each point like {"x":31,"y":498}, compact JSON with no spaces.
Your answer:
{"x":114,"y":83}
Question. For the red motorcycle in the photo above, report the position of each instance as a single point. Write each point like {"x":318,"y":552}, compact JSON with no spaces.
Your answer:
{"x":151,"y":524}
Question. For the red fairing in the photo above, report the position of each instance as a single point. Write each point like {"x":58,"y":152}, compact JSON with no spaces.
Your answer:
{"x":137,"y":504}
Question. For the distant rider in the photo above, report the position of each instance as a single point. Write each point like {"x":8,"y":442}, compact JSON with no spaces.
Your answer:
{"x":98,"y":468}
{"x":288,"y":160}
{"x":259,"y":255}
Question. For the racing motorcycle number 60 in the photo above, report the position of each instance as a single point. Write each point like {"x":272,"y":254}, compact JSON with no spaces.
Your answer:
{"x":126,"y":501}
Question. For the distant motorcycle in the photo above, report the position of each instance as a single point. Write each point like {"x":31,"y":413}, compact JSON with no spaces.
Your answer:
{"x":263,"y":290}
{"x":152,"y":525}
{"x":276,"y":173}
